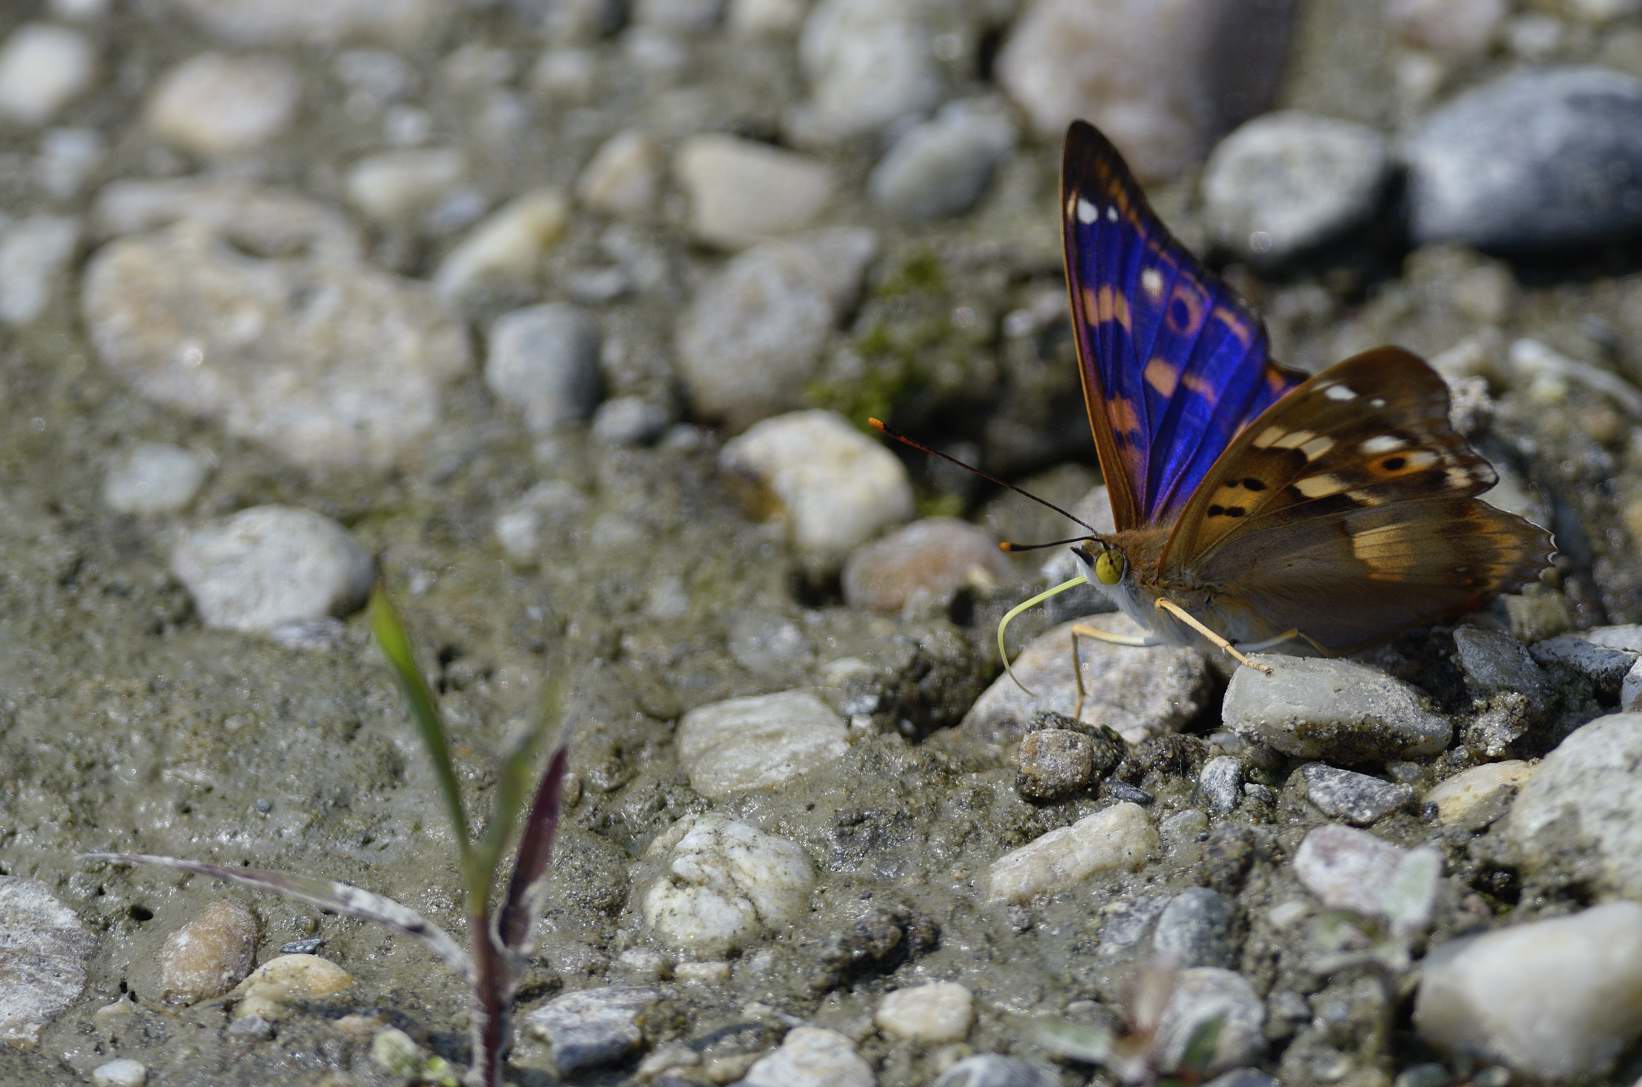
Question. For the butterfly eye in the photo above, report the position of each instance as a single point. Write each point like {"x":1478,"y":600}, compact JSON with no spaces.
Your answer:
{"x":1109,"y":567}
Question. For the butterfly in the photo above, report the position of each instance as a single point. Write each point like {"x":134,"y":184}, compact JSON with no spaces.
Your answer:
{"x":1257,"y":507}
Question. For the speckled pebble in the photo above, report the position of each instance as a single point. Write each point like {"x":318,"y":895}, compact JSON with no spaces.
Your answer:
{"x":834,"y":486}
{"x":544,"y":361}
{"x":221,"y":104}
{"x":1353,"y":870}
{"x":43,"y":954}
{"x":399,"y":187}
{"x":1221,"y":782}
{"x":941,"y":1011}
{"x":1118,"y":837}
{"x":1195,"y":929}
{"x":270,"y":565}
{"x":505,"y":250}
{"x":1315,"y":707}
{"x":943,"y":166}
{"x":591,"y":1027}
{"x":210,"y":954}
{"x":42,"y":69}
{"x":624,"y":177}
{"x":286,"y":981}
{"x":1054,"y":762}
{"x":758,"y":743}
{"x":629,"y":420}
{"x":123,"y":1072}
{"x":1351,"y":797}
{"x":154,"y":478}
{"x":742,"y":192}
{"x":1630,"y":689}
{"x":1203,"y":995}
{"x":811,"y":1057}
{"x":1494,"y":661}
{"x":1458,"y":796}
{"x":869,"y":65}
{"x":993,"y":1070}
{"x":1604,"y":655}
{"x":1551,"y":999}
{"x":724,"y":884}
{"x":930,"y":559}
{"x":35,"y":254}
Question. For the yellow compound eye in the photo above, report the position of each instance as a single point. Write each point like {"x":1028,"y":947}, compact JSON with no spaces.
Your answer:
{"x":1109,"y":567}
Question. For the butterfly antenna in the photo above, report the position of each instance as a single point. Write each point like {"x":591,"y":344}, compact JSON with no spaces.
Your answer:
{"x":1010,"y":547}
{"x":878,"y":425}
{"x":1032,"y":602}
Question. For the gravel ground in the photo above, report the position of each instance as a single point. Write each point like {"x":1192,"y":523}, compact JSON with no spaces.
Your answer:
{"x":565,"y":316}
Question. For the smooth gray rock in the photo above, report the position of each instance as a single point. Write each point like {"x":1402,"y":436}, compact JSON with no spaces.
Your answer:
{"x":1354,"y":870}
{"x":1310,"y":707}
{"x":1603,"y":655}
{"x":1203,"y":995}
{"x":1221,"y":783}
{"x":811,"y":1057}
{"x":592,"y":1027}
{"x":1493,"y":661}
{"x":758,"y":742}
{"x":544,"y":360}
{"x":869,"y":64}
{"x":1351,"y":797}
{"x":992,"y":1070}
{"x":154,"y":478}
{"x":43,"y":954}
{"x":1195,"y":929}
{"x":943,"y":166}
{"x":34,"y":255}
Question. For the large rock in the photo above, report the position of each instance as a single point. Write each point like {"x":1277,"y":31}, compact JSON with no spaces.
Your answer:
{"x":43,"y":955}
{"x":1313,"y":708}
{"x":723,"y":885}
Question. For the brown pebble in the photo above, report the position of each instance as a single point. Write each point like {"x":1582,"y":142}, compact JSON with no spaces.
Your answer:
{"x":1054,"y":762}
{"x":210,"y":954}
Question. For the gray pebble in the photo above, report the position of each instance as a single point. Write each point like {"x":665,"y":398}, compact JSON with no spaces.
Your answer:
{"x":271,"y":565}
{"x":1195,"y":929}
{"x":544,"y":360}
{"x":943,"y":166}
{"x":869,"y":64}
{"x":43,"y":68}
{"x":1221,"y":783}
{"x":991,"y":1070}
{"x":1604,"y":659}
{"x":1054,"y":762}
{"x":154,"y":478}
{"x":1310,"y":707}
{"x":264,"y":220}
{"x":928,"y":560}
{"x":1351,"y":797}
{"x":630,"y":420}
{"x":34,"y":255}
{"x":592,"y":1027}
{"x":1493,"y":661}
{"x":758,"y":742}
{"x":742,"y":192}
{"x":1353,"y":870}
{"x":255,"y":22}
{"x":43,"y":954}
{"x":1203,"y":995}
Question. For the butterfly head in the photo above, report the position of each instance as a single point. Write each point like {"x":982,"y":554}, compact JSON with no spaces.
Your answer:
{"x":1103,"y":561}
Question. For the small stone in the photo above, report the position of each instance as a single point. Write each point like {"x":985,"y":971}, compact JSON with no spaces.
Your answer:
{"x":593,"y":1027}
{"x":1630,"y":689}
{"x":42,"y":69}
{"x":256,"y":22}
{"x":271,"y":222}
{"x":1538,"y":157}
{"x":683,"y":16}
{"x":811,"y":1057}
{"x":1493,"y":661}
{"x":271,"y":565}
{"x":1288,"y":181}
{"x":629,"y":420}
{"x":209,"y":955}
{"x":154,"y":478}
{"x":252,"y":1026}
{"x":566,"y":74}
{"x":549,"y":510}
{"x":759,"y":742}
{"x":1353,"y":870}
{"x":624,"y":177}
{"x":1054,"y":762}
{"x":941,"y":1011}
{"x":743,"y":192}
{"x":1585,"y":800}
{"x":68,"y":159}
{"x":766,"y":18}
{"x":1136,"y":692}
{"x":396,"y":1051}
{"x":544,"y":360}
{"x":35,"y":253}
{"x":869,"y":65}
{"x":287,"y":980}
{"x":1604,"y":659}
{"x":929,"y":560}
{"x":1195,"y":929}
{"x":1553,"y":1000}
{"x":1120,"y":837}
{"x":1455,"y":28}
{"x":710,"y":974}
{"x":43,"y":955}
{"x":1458,"y":796}
{"x":1313,"y":707}
{"x":992,"y":1070}
{"x":1221,"y":782}
{"x":835,"y":487}
{"x":1603,"y":11}
{"x":942,"y":167}
{"x":506,"y":249}
{"x":1205,"y":995}
{"x":1351,"y":797}
{"x":1185,"y":827}
{"x":217,"y":104}
{"x":724,"y":885}
{"x":396,"y":188}
{"x":123,"y":1072}
{"x":751,"y":338}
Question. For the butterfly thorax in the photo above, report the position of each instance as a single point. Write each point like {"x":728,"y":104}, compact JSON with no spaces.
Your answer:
{"x":1144,"y":579}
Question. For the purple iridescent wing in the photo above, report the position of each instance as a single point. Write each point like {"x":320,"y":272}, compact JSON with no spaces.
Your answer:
{"x":1173,"y":362}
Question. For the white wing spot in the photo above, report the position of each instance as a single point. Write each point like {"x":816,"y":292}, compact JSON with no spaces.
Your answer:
{"x":1268,"y":437}
{"x":1111,"y":213}
{"x":1421,"y":458}
{"x":1317,"y":447}
{"x":1151,"y":281}
{"x":1381,"y":443}
{"x":1460,"y":478}
{"x":1320,"y":486}
{"x":1294,"y":439}
{"x":1087,"y":212}
{"x":1340,"y":392}
{"x":1376,"y":403}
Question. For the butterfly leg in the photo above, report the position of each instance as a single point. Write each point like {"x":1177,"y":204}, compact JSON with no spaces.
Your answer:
{"x":1290,"y":633}
{"x":1192,"y":621}
{"x":1081,"y":631}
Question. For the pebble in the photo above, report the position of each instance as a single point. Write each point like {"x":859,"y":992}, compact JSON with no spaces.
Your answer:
{"x":624,"y":177}
{"x":287,"y":980}
{"x":811,"y":1057}
{"x":256,"y":22}
{"x":506,"y":248}
{"x":1120,"y":837}
{"x":210,"y":954}
{"x":1221,"y":783}
{"x":1195,"y":929}
{"x":835,"y":487}
{"x":869,"y":65}
{"x":752,"y":336}
{"x":941,"y":1011}
{"x":764,"y":643}
{"x":566,"y":75}
{"x":396,"y":188}
{"x":330,"y":363}
{"x":222,"y":104}
{"x":1538,"y":157}
{"x":1493,"y":661}
{"x":766,"y":18}
{"x":1136,"y":692}
{"x":1247,"y":1077}
{"x":154,"y":478}
{"x":43,"y":954}
{"x":1604,"y":655}
{"x":35,"y":253}
{"x":42,"y":69}
{"x":1313,"y":707}
{"x":1286,"y":182}
{"x":592,"y":1027}
{"x":759,"y":742}
{"x":1459,"y":796}
{"x":269,"y":222}
{"x":993,"y":1070}
{"x":1054,"y":762}
{"x":549,"y":510}
{"x":930,"y":560}
{"x":1351,"y":797}
{"x":1585,"y":800}
{"x":1144,"y":73}
{"x":1353,"y":870}
{"x":123,"y":1072}
{"x":1203,"y":995}
{"x":544,"y":361}
{"x":271,"y":565}
{"x":1630,"y":689}
{"x":724,"y":885}
{"x":684,"y":16}
{"x":942,"y":167}
{"x":1553,"y":1000}
{"x":1453,"y":28}
{"x":68,"y":159}
{"x":742,"y":192}
{"x":629,"y":420}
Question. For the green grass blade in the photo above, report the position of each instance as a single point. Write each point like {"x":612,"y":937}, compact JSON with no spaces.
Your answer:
{"x":424,"y":711}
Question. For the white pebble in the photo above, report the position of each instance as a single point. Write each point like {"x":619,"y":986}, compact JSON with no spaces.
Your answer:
{"x":43,"y":954}
{"x":154,"y":478}
{"x":123,"y":1072}
{"x":758,"y":742}
{"x":217,"y":104}
{"x":1458,"y":796}
{"x":1120,"y":837}
{"x":507,"y":247}
{"x":42,"y":68}
{"x":741,"y":192}
{"x":544,"y":361}
{"x":552,"y":509}
{"x":724,"y":885}
{"x":870,"y":64}
{"x":1349,"y":869}
{"x":394,"y":187}
{"x":34,"y":253}
{"x":811,"y":1057}
{"x":941,"y":1011}
{"x":624,"y":176}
